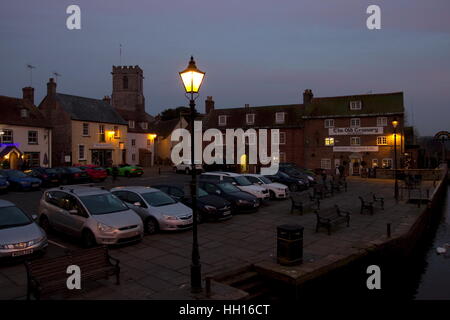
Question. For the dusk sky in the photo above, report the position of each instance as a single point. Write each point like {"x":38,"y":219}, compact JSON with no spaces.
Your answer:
{"x":260,"y":52}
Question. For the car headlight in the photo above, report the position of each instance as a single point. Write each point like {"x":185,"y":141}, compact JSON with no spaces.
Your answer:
{"x":243,"y":202}
{"x":300,"y":182}
{"x":169,"y":217}
{"x":310,"y":178}
{"x":210,"y":208}
{"x":24,"y":182}
{"x":104,"y":228}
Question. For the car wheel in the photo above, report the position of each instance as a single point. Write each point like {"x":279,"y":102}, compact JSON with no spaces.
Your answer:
{"x":272,"y":194}
{"x":187,"y":170}
{"x":44,"y":223}
{"x":151,"y":226}
{"x":293,"y":187}
{"x":88,"y":239}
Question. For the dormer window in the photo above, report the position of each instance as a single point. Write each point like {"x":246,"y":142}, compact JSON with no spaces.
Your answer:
{"x":222,"y":120}
{"x":355,"y":105}
{"x":23,"y":113}
{"x":250,"y":118}
{"x":144,"y":125}
{"x":279,"y":117}
{"x":131,"y":124}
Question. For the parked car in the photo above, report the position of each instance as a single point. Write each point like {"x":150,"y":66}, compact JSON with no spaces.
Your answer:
{"x":294,"y":170}
{"x":72,"y":175}
{"x":240,"y":201}
{"x":93,"y":214}
{"x":48,"y":176}
{"x":127,"y":170}
{"x":276,"y":190}
{"x":157,"y":209}
{"x":94,"y":172}
{"x":210,"y":206}
{"x":293,"y":184}
{"x":20,"y":181}
{"x":239,"y":181}
{"x":20,"y":235}
{"x":4,"y":184}
{"x":187,"y":168}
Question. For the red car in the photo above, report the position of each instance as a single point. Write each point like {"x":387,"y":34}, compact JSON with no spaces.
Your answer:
{"x":95,"y":173}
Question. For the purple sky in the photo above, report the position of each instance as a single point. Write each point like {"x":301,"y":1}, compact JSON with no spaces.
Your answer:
{"x":259,"y":52}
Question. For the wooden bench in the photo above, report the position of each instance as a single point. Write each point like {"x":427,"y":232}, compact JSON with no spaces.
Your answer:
{"x":322,"y":191}
{"x":46,"y":277}
{"x":368,"y":203}
{"x":332,"y":216}
{"x":303,"y":201}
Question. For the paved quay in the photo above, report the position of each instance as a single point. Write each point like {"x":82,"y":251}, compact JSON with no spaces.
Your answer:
{"x":160,"y":263}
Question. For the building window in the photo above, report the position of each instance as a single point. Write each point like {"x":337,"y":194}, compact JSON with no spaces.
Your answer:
{"x":282,"y":137}
{"x":282,"y":157}
{"x":355,"y":141}
{"x":355,"y":122}
{"x":387,"y":163}
{"x":125,"y":82}
{"x":32,"y":137}
{"x":131,"y":124}
{"x":355,"y":105}
{"x":374,"y":163}
{"x":133,"y":142}
{"x":250,"y":118}
{"x":382,"y":140}
{"x":33,"y":158}
{"x":222,"y":120}
{"x":325,"y":163}
{"x":251,"y":138}
{"x":149,"y":142}
{"x":279,"y":117}
{"x":23,"y":113}
{"x":81,"y":153}
{"x":381,"y":122}
{"x":329,"y":141}
{"x":101,"y":133}
{"x":7,"y":136}
{"x":85,"y":129}
{"x":133,"y":157}
{"x":144,"y":125}
{"x":329,"y":123}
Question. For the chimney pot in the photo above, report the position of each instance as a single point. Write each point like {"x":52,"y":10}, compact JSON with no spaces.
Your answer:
{"x":51,"y":88}
{"x":307,"y":96}
{"x":209,"y":104}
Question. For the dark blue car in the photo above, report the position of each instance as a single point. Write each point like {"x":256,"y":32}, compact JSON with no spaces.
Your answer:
{"x":20,"y":181}
{"x":4,"y":184}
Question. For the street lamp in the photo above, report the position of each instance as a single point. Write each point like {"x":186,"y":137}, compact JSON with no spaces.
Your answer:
{"x":394,"y":125}
{"x":192,"y":80}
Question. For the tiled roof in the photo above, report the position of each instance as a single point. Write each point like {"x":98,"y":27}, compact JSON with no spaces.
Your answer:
{"x":164,"y":128}
{"x":87,"y":109}
{"x":11,"y":113}
{"x":137,"y":117}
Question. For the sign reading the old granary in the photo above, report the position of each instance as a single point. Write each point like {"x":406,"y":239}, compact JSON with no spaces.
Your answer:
{"x":356,"y":130}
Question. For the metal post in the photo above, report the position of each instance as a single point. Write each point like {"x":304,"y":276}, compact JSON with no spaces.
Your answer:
{"x":388,"y":227}
{"x":395,"y":165}
{"x":196,"y":276}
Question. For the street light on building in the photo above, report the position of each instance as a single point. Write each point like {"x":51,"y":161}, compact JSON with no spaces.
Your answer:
{"x":394,"y":125}
{"x":192,"y":80}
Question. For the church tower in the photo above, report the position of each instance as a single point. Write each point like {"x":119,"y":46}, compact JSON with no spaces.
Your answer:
{"x":128,"y":92}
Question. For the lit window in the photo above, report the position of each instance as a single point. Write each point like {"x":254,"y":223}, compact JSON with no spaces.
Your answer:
{"x":279,"y":117}
{"x":355,"y":105}
{"x":374,"y":163}
{"x":329,"y":141}
{"x":32,"y":137}
{"x":329,"y":123}
{"x":131,"y":124}
{"x":85,"y":129}
{"x":355,"y":141}
{"x":355,"y":122}
{"x":387,"y":163}
{"x":382,"y":140}
{"x":381,"y":122}
{"x":250,"y":118}
{"x":81,"y":153}
{"x":325,"y":163}
{"x":222,"y":120}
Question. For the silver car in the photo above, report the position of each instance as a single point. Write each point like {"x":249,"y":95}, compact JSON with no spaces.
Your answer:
{"x":157,"y":209}
{"x":19,"y":234}
{"x":94,"y":214}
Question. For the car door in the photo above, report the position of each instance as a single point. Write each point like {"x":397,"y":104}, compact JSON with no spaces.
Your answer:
{"x":77,"y":218}
{"x":53,"y":209}
{"x":70,"y":222}
{"x":132,"y":199}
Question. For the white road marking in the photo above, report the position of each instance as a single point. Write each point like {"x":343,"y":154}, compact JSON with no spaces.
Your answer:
{"x":57,"y":244}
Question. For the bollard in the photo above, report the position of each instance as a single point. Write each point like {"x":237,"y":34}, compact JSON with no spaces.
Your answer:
{"x":208,"y":286}
{"x":388,"y":227}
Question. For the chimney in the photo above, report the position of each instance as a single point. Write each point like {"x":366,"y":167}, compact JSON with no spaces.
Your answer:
{"x":307,"y":97}
{"x":107,"y":99}
{"x":28,"y":94}
{"x":51,"y":88}
{"x":209,"y":104}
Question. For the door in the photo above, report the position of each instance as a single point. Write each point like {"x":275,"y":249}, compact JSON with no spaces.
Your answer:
{"x":355,"y":167}
{"x":13,"y":161}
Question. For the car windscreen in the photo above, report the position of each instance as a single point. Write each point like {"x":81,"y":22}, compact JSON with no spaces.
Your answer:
{"x":201,"y":192}
{"x":265,"y":180}
{"x":242,"y":181}
{"x":227,"y":187}
{"x":13,"y":217}
{"x":283,"y":175}
{"x":157,"y":199}
{"x":103,"y":203}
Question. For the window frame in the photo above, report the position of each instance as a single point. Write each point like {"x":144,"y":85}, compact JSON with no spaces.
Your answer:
{"x":247,"y":118}
{"x":84,"y":129}
{"x":353,"y":125}
{"x":131,"y":124}
{"x":381,"y":121}
{"x":355,"y":105}
{"x":355,"y":144}
{"x":79,"y":153}
{"x":11,"y":135}
{"x":326,"y":123}
{"x":278,"y":120}
{"x":384,"y":141}
{"x":30,"y":138}
{"x":282,"y":138}
{"x":329,"y":141}
{"x":325,"y":167}
{"x":222,"y":117}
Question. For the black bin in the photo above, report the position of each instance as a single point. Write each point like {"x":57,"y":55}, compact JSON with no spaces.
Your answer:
{"x":290,"y":244}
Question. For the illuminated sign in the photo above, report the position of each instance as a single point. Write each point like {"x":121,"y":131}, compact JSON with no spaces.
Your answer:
{"x":355,"y":131}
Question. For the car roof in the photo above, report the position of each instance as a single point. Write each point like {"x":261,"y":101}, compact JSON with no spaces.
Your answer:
{"x":138,"y":189}
{"x":80,"y":190}
{"x":5,"y":203}
{"x":221,"y":173}
{"x":253,"y":175}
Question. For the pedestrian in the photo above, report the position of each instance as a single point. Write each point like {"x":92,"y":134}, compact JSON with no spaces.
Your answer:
{"x":115,"y":173}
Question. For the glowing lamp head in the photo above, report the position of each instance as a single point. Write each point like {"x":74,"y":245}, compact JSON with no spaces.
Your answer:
{"x":395,"y":123}
{"x":192,"y":77}
{"x":152,"y":136}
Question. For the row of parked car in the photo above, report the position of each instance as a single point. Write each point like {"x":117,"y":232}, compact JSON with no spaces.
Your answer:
{"x":34,"y":178}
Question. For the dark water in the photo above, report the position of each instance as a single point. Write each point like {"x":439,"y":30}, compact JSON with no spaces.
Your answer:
{"x":424,"y":275}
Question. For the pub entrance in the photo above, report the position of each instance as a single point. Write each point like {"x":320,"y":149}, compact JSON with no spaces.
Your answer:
{"x":102,"y":157}
{"x":355,"y":164}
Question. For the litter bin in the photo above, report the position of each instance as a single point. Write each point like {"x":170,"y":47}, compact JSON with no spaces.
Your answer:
{"x":290,"y":244}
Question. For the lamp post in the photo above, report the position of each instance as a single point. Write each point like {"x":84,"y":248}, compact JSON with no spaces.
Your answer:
{"x":192,"y":80}
{"x":395,"y":124}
